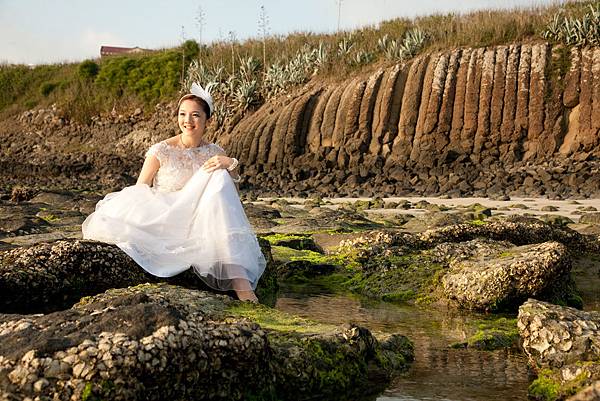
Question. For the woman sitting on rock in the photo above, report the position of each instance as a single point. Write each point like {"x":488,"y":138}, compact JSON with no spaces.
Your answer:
{"x":184,"y":210}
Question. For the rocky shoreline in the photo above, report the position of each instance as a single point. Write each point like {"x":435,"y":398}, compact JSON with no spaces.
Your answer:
{"x":464,"y":258}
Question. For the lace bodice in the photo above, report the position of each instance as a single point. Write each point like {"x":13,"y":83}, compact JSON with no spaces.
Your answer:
{"x":177,"y":165}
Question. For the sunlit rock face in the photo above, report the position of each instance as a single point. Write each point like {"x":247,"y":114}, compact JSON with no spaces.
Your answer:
{"x":517,"y":119}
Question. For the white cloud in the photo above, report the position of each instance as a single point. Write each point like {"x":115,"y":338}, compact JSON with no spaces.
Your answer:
{"x":90,"y":41}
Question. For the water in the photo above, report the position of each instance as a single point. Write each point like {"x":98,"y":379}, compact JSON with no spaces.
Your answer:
{"x":438,"y":372}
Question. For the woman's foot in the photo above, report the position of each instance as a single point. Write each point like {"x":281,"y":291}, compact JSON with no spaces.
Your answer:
{"x":248,"y":296}
{"x":243,"y":290}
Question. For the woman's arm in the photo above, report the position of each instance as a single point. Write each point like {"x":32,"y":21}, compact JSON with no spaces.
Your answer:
{"x":221,"y":161}
{"x":149,"y":169}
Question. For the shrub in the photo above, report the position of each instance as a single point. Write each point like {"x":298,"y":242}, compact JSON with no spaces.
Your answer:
{"x":88,"y":69}
{"x":47,"y":88}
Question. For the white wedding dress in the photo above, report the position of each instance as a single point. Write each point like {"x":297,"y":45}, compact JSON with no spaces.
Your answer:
{"x":188,"y":218}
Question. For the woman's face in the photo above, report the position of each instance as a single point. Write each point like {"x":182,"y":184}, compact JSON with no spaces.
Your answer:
{"x":191,"y":118}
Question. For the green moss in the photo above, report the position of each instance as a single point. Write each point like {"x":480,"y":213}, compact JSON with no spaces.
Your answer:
{"x":400,"y":296}
{"x":285,"y":254}
{"x":492,"y":334}
{"x":478,"y":222}
{"x":544,"y":388}
{"x":431,"y":288}
{"x":274,"y":239}
{"x":395,"y":278}
{"x":50,"y":218}
{"x":86,"y":395}
{"x":273,"y":319}
{"x":295,"y":241}
{"x":549,"y":385}
{"x":95,"y":392}
{"x":489,"y":340}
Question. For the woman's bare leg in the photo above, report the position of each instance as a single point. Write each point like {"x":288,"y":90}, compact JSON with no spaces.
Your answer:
{"x":243,"y":290}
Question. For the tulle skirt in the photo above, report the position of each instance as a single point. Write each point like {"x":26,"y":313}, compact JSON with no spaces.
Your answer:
{"x":202,"y":226}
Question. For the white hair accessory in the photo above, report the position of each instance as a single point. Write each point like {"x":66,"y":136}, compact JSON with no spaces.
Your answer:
{"x":199,"y":91}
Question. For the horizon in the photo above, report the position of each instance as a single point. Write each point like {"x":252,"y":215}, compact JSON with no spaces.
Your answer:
{"x":46,"y":36}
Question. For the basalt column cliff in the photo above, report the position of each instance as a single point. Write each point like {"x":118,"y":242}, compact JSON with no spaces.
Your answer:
{"x":486,"y":121}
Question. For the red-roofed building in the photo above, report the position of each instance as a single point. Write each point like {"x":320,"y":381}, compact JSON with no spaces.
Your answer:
{"x":114,"y":50}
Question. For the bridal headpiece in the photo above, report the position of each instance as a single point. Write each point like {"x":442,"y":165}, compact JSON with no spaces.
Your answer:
{"x":199,"y":91}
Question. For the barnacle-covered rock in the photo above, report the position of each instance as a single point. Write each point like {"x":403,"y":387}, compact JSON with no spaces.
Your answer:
{"x":565,"y":344}
{"x":555,"y":335}
{"x":51,"y":276}
{"x":502,"y":280}
{"x":159,"y":342}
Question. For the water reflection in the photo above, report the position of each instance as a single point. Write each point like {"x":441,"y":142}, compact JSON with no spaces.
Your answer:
{"x":438,"y":372}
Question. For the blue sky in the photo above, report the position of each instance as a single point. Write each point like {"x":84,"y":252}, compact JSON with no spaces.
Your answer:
{"x":49,"y":31}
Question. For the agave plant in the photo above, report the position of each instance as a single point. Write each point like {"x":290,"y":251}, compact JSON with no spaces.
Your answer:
{"x":321,"y":55}
{"x":413,"y":42}
{"x":246,"y":94}
{"x":345,"y":46}
{"x":383,"y":43}
{"x":362,"y":57}
{"x":220,"y":113}
{"x":249,"y":67}
{"x":572,"y":31}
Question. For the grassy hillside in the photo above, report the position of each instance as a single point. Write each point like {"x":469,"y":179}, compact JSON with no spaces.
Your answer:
{"x":237,"y":71}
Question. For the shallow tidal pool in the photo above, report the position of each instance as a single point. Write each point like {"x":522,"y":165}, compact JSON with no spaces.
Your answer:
{"x":438,"y":372}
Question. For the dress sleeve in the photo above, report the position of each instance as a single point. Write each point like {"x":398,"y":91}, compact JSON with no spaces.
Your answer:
{"x":156,"y":150}
{"x":217,"y":150}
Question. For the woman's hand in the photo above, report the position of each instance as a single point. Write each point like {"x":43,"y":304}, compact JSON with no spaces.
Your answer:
{"x":217,"y":162}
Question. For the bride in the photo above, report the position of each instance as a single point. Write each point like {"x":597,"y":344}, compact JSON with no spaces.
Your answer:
{"x":184,"y":210}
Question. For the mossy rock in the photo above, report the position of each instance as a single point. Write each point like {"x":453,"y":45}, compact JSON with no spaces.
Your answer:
{"x":559,"y":384}
{"x":304,"y":270}
{"x":492,"y":335}
{"x":395,"y":278}
{"x":556,"y":220}
{"x":361,"y":205}
{"x":403,"y":204}
{"x":294,"y":241}
{"x":308,"y":359}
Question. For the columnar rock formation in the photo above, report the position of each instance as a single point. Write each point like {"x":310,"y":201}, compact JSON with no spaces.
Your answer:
{"x":460,"y":120}
{"x":511,"y":119}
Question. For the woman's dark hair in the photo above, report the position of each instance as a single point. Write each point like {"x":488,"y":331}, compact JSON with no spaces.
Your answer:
{"x":198,"y":100}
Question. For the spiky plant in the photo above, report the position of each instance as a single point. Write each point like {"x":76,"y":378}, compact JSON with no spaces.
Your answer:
{"x":573,"y":31}
{"x":414,"y":41}
{"x":345,"y":46}
{"x":362,"y":57}
{"x":249,"y":67}
{"x":246,"y":94}
{"x":321,"y":55}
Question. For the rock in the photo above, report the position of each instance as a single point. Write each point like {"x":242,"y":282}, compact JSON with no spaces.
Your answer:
{"x":589,"y":393}
{"x":21,"y":194}
{"x":504,"y":280}
{"x":565,"y":342}
{"x":158,"y":342}
{"x":50,"y":276}
{"x":590,"y":218}
{"x":556,"y":220}
{"x":489,"y":266}
{"x":554,"y":336}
